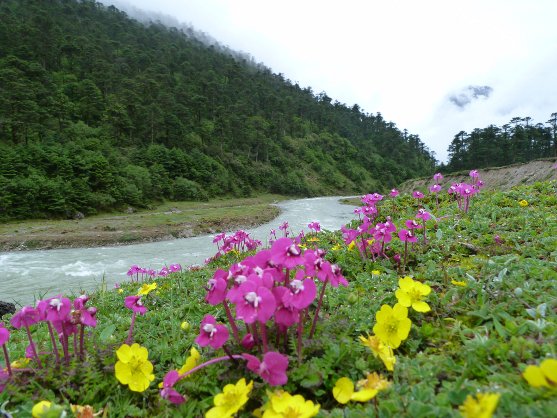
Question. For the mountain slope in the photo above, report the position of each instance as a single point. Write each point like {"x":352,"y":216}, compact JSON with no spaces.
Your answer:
{"x":99,"y":111}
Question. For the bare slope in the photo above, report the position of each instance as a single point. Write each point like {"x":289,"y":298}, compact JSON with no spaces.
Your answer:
{"x":501,"y":178}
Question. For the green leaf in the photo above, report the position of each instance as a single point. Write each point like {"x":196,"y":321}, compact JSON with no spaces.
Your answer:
{"x":107,"y":332}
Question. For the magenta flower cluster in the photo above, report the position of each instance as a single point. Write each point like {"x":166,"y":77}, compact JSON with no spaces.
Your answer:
{"x":272,"y":289}
{"x":136,"y":273}
{"x":240,"y":241}
{"x":63,"y":317}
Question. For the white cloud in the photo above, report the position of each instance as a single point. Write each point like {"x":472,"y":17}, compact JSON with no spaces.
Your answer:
{"x":401,"y":58}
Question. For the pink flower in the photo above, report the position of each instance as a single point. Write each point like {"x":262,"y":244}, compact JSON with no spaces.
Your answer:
{"x":286,"y":253}
{"x":135,"y":304}
{"x":254,"y":301}
{"x":26,"y":317}
{"x":394,"y":193}
{"x":314,"y":226}
{"x":54,"y":309}
{"x":315,"y":265}
{"x":302,"y":291}
{"x":168,"y":392}
{"x":248,"y":342}
{"x":4,"y":334}
{"x":216,"y":288}
{"x":436,"y":188}
{"x":83,"y":315}
{"x":285,"y":314}
{"x":423,"y":214}
{"x":211,"y":333}
{"x":412,"y":224}
{"x":417,"y":194}
{"x":438,"y":177}
{"x":407,"y":236}
{"x":175,"y":267}
{"x":336,"y":278}
{"x":474,"y":174}
{"x":272,"y":369}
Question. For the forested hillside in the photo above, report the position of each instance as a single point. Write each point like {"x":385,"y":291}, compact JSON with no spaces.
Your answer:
{"x":519,"y":141}
{"x":99,"y":111}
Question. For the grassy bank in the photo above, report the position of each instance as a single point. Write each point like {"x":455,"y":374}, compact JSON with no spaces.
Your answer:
{"x":492,"y":275}
{"x":165,"y":221}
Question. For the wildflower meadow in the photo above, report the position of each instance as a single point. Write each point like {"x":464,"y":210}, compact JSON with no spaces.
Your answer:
{"x":437,"y":303}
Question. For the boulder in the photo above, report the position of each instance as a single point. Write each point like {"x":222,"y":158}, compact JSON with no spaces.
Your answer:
{"x":6,"y":308}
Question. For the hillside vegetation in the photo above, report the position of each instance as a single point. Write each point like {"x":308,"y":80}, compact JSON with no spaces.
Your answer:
{"x":99,"y":111}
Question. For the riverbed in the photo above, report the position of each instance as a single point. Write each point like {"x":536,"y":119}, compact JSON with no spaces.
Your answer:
{"x":31,"y":275}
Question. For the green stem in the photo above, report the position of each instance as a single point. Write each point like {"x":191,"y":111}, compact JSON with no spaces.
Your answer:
{"x":313,"y":325}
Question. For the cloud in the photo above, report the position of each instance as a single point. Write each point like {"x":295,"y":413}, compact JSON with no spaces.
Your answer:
{"x":470,"y":93}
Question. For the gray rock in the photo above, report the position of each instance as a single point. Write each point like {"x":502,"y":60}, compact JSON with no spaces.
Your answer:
{"x":6,"y":308}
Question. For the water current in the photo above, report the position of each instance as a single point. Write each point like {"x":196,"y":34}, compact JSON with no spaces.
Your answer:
{"x":29,"y":275}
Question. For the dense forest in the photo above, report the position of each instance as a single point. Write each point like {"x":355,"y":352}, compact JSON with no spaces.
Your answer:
{"x":99,"y":111}
{"x":518,"y":141}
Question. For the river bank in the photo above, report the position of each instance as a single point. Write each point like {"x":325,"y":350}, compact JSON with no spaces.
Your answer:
{"x":167,"y":221}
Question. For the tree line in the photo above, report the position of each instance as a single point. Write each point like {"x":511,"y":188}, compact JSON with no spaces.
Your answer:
{"x":99,"y":111}
{"x":518,"y":141}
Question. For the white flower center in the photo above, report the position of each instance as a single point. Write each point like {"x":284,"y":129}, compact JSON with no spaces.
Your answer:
{"x":210,"y":329}
{"x":252,"y":298}
{"x":56,"y":303}
{"x":297,"y":286}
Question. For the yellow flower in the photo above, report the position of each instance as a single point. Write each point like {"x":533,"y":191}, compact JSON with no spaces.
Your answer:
{"x":232,"y":398}
{"x":313,"y":239}
{"x":384,"y":352}
{"x":120,"y":290}
{"x":133,"y":367}
{"x":351,"y":245}
{"x":393,"y":325}
{"x":40,"y":409}
{"x":145,"y":289}
{"x":20,"y":363}
{"x":543,"y":376}
{"x":191,"y":362}
{"x":411,"y":293}
{"x":457,"y":283}
{"x":185,"y":326}
{"x":523,"y":203}
{"x":375,"y":272}
{"x":284,"y":405}
{"x":482,"y":406}
{"x":344,"y":392}
{"x":336,"y":247}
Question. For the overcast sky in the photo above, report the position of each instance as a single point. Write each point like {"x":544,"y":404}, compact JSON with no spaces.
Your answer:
{"x":432,"y":67}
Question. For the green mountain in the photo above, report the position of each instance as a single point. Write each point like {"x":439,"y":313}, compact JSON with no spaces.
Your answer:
{"x":99,"y":111}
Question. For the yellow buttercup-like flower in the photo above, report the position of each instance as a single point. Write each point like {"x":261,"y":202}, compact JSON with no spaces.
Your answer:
{"x":481,"y":406}
{"x":381,"y":350}
{"x":543,"y":376}
{"x":232,"y":398}
{"x":457,"y":283}
{"x":191,"y":362}
{"x":344,"y":391}
{"x":336,"y":247}
{"x":40,"y":409}
{"x":523,"y":203}
{"x":133,"y":367}
{"x":393,"y":325}
{"x":284,"y":405}
{"x":20,"y":363}
{"x":146,"y":288}
{"x":411,"y":294}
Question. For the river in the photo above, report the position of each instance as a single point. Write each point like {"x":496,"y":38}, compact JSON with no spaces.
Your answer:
{"x":29,"y":275}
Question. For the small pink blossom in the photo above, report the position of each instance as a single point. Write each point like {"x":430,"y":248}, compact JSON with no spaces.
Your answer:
{"x":474,"y":174}
{"x":272,"y":369}
{"x":216,"y":288}
{"x":412,"y":224}
{"x":438,"y":177}
{"x":168,"y":392}
{"x":407,"y":236}
{"x":286,"y":253}
{"x":135,"y":304}
{"x":394,"y":193}
{"x":248,"y":342}
{"x":25,"y":317}
{"x":4,"y":334}
{"x":211,"y":333}
{"x":254,"y":301}
{"x":423,"y":214}
{"x":417,"y":194}
{"x":315,"y":226}
{"x":436,"y":188}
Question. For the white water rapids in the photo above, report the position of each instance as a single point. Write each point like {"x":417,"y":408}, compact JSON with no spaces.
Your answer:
{"x":29,"y":275}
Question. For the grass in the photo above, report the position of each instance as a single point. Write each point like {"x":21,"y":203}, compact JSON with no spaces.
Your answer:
{"x":493,"y":312}
{"x":166,"y":221}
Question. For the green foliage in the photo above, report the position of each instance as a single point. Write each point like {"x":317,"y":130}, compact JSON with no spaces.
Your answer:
{"x":105,"y":112}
